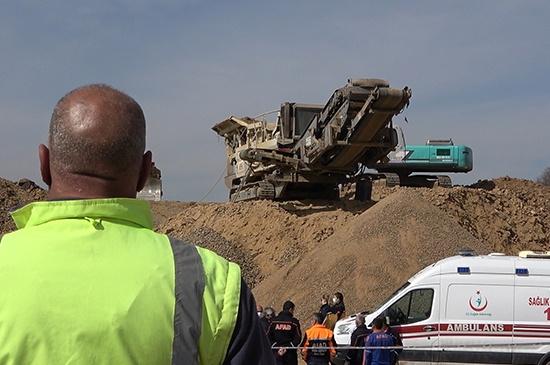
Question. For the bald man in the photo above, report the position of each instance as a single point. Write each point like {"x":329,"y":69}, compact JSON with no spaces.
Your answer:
{"x":85,"y":280}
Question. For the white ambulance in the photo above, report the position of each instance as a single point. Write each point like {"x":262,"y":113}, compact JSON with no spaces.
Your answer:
{"x":469,"y":309}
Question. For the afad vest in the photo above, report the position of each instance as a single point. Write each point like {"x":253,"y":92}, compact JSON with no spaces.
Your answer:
{"x":89,"y":282}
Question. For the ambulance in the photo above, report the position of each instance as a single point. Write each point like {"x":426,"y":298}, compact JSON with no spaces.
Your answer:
{"x":469,"y":309}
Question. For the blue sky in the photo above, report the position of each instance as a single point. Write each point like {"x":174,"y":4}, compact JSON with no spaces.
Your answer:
{"x":480,"y":72}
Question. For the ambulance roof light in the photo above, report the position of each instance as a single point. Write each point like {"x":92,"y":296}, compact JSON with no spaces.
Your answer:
{"x":463,"y":270}
{"x":522,"y":271}
{"x":467,"y":252}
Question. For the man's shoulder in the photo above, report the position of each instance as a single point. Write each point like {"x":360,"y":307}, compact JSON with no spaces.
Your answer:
{"x":209,"y":258}
{"x":380,"y":337}
{"x":282,"y":318}
{"x":364,"y":331}
{"x":374,"y":336}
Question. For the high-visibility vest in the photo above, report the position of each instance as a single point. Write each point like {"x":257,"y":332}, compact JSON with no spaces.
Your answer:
{"x":320,"y":344}
{"x":89,"y":282}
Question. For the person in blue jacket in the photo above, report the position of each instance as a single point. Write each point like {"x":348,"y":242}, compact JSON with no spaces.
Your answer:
{"x":378,"y":338}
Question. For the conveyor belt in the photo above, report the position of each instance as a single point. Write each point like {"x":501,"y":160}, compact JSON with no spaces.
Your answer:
{"x":376,"y":113}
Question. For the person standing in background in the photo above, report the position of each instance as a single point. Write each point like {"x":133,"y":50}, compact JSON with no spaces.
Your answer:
{"x":285,"y":331}
{"x":265,"y":321}
{"x":319,"y":346}
{"x":397,"y":339}
{"x":325,"y":307}
{"x":355,"y":357}
{"x":378,"y":338}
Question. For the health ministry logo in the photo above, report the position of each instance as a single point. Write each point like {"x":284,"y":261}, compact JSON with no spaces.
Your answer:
{"x":478,"y":302}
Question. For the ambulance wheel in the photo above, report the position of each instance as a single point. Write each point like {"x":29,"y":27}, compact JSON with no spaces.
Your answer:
{"x":545,"y":360}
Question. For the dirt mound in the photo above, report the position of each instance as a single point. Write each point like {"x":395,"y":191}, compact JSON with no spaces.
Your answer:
{"x":371,"y":255}
{"x":513,"y":215}
{"x":302,"y":250}
{"x":271,"y":234}
{"x":510,"y":214}
{"x":14,"y":195}
{"x":212,"y":240}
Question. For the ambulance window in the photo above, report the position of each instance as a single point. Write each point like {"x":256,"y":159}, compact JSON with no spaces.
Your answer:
{"x":398,"y":311}
{"x":421,"y":305}
{"x":413,"y":307}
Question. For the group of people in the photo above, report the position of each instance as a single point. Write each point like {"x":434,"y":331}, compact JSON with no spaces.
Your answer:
{"x":380,"y":335}
{"x":285,"y":335}
{"x":317,"y":345}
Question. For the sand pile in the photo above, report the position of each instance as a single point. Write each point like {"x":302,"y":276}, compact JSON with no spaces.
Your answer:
{"x":510,"y":214}
{"x":14,"y":195}
{"x":302,"y":250}
{"x":371,"y":256}
{"x":261,"y":234}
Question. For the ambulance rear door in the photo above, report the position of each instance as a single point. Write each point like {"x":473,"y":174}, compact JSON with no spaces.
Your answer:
{"x":477,"y":314}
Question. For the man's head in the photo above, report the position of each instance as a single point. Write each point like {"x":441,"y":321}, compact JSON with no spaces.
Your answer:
{"x":377,"y":324}
{"x":96,"y":145}
{"x":317,"y":318}
{"x":288,"y":306}
{"x":337,"y":298}
{"x":269,"y":313}
{"x":359,"y":320}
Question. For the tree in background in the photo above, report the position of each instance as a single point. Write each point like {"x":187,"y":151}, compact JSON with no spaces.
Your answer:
{"x":544,"y":178}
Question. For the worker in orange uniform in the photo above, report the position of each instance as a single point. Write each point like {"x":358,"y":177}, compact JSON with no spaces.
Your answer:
{"x":320,"y":348}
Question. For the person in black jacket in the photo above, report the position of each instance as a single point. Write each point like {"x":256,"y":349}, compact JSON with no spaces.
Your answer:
{"x":355,"y":357}
{"x":325,"y":307}
{"x":397,"y":339}
{"x":285,"y":331}
{"x":338,"y":307}
{"x":265,"y":321}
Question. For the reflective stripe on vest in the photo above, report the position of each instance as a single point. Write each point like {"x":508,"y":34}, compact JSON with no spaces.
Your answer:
{"x":207,"y":296}
{"x":189,"y":288}
{"x":220,"y":306}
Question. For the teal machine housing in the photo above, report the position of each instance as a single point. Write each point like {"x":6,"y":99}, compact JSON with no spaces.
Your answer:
{"x":435,"y":157}
{"x":432,"y":158}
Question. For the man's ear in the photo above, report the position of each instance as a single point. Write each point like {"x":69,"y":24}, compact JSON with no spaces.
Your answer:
{"x":44,"y":157}
{"x":145,"y":170}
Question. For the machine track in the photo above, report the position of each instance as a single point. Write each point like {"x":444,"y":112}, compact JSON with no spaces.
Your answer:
{"x":256,"y":191}
{"x":392,"y":180}
{"x":444,"y":181}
